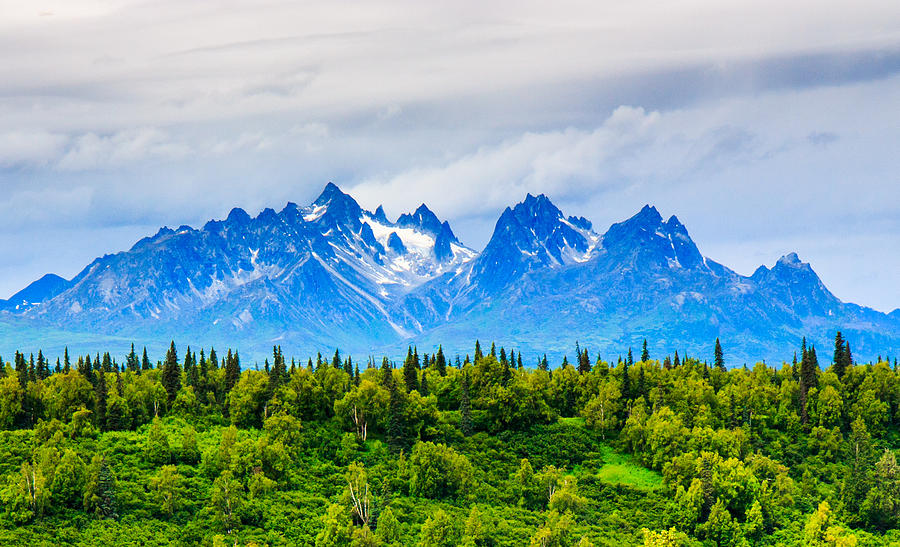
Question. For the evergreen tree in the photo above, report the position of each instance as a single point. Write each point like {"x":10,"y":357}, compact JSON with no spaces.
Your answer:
{"x":626,"y":381}
{"x":677,"y":363}
{"x":630,"y":359}
{"x":440,"y":363}
{"x":67,"y":366}
{"x":838,"y":360}
{"x":718,"y":357}
{"x":131,"y":360}
{"x":519,"y":362}
{"x":348,"y":366}
{"x":278,"y":373}
{"x":171,"y":373}
{"x":465,"y":412}
{"x":410,"y":377}
{"x":106,"y":505}
{"x":43,"y":371}
{"x":336,"y":360}
{"x":423,"y":388}
{"x":544,"y":364}
{"x":478,"y":355}
{"x":213,"y":359}
{"x":808,"y":379}
{"x":232,"y":370}
{"x":584,"y":362}
{"x":145,"y":361}
{"x":387,"y":378}
{"x":188,"y":361}
{"x":645,"y":355}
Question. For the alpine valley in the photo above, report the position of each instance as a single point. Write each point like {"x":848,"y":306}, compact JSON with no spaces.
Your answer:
{"x":335,"y":275}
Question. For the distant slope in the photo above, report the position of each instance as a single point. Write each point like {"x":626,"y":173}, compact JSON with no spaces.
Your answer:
{"x":36,"y":293}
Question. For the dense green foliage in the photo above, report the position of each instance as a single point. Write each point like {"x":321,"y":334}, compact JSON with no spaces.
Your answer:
{"x":479,"y":452}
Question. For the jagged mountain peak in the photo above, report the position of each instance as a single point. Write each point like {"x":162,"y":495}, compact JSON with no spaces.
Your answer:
{"x":791,"y":260}
{"x":380,"y":215}
{"x":647,"y":239}
{"x":335,"y":207}
{"x":422,"y":218}
{"x":532,"y":235}
{"x":237,"y":216}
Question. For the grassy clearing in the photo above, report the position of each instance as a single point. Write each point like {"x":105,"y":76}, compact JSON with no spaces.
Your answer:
{"x":621,"y":469}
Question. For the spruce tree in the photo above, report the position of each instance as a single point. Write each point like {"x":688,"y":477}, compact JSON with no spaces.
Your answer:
{"x":232,"y":370}
{"x":131,"y":360}
{"x":677,"y":362}
{"x":440,"y":363}
{"x":478,"y":355}
{"x":410,"y":378}
{"x":348,"y":366}
{"x":213,"y":359}
{"x":387,"y":377}
{"x":544,"y":364}
{"x":171,"y":373}
{"x":107,"y":503}
{"x":145,"y":361}
{"x":645,"y":355}
{"x":584,"y":362}
{"x":21,"y":370}
{"x":423,"y":387}
{"x":67,"y":366}
{"x":838,"y":359}
{"x":43,"y":370}
{"x":808,"y":368}
{"x":630,"y":359}
{"x":278,"y":373}
{"x":718,"y":357}
{"x":336,"y":360}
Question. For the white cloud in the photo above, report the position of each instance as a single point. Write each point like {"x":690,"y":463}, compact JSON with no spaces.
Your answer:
{"x":752,"y":119}
{"x":92,"y":151}
{"x":29,"y":147}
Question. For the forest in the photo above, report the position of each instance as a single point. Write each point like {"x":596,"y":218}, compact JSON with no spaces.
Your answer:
{"x":475,"y":450}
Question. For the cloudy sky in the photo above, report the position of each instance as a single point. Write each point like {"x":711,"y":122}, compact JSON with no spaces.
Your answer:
{"x":766,"y":126}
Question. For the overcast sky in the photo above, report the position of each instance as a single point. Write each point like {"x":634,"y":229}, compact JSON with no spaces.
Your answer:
{"x":765,"y":126}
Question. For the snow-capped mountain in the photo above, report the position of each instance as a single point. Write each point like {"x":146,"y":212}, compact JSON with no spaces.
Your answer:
{"x":333,"y":274}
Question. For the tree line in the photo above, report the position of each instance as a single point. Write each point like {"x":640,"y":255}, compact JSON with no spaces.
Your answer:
{"x":438,"y":451}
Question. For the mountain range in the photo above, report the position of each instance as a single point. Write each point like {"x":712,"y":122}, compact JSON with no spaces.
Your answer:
{"x":333,"y":274}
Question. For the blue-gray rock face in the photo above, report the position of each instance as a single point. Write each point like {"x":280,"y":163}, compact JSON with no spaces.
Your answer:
{"x":335,"y":275}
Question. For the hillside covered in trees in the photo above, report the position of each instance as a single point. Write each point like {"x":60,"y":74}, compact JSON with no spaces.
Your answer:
{"x":473,"y":450}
